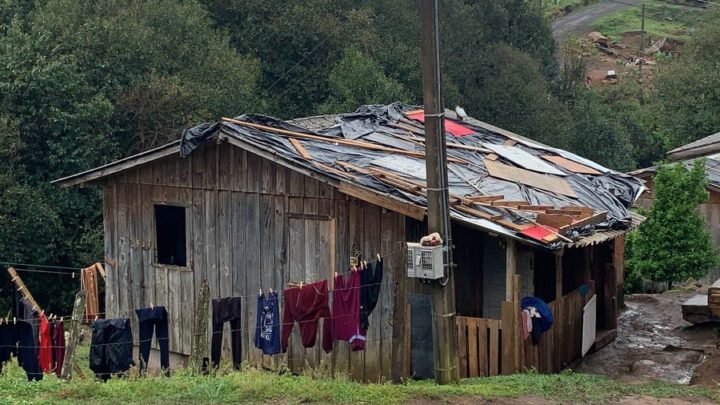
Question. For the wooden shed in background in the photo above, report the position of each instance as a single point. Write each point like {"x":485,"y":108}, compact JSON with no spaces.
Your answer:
{"x":255,"y":206}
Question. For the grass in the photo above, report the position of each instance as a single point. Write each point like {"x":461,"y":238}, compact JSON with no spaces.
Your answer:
{"x":255,"y":386}
{"x":556,"y":8}
{"x":661,"y":19}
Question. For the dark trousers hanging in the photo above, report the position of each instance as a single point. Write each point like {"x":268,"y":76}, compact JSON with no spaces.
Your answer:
{"x":226,"y":310}
{"x":59,"y":347}
{"x":149,"y":320}
{"x":8,"y":342}
{"x":27,"y":351}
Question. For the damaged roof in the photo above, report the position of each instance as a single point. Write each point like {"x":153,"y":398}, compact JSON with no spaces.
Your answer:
{"x":498,"y":181}
{"x":712,"y":169}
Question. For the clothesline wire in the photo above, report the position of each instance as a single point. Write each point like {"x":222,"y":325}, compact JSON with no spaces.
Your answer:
{"x":30,"y":270}
{"x":45,"y":266}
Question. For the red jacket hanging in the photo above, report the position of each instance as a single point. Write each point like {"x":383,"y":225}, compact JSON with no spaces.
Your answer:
{"x":306,"y":306}
{"x":346,"y":306}
{"x":45,"y":357}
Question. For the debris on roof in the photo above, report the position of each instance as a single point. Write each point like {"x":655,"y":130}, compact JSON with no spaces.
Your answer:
{"x":498,"y":181}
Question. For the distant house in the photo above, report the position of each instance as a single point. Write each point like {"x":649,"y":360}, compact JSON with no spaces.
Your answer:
{"x":707,"y":148}
{"x":254,"y":203}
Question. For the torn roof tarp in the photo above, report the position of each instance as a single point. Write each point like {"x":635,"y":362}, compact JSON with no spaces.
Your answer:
{"x":381,"y":147}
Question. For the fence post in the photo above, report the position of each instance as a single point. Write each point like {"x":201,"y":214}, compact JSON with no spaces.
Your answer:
{"x":74,"y":337}
{"x":198,"y":357}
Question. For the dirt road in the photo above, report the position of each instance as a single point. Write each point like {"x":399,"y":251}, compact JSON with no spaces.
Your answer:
{"x":580,"y":21}
{"x":655,"y":343}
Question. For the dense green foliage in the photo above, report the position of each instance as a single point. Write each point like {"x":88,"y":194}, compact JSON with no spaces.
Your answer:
{"x":84,"y":82}
{"x":674,"y":243}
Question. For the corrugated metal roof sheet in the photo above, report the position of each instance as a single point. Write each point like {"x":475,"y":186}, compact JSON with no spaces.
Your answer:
{"x":604,"y":236}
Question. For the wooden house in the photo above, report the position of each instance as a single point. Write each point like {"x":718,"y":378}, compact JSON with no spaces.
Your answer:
{"x":707,"y":148}
{"x":255,"y":203}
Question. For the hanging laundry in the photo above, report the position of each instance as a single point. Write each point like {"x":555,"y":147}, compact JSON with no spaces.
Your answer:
{"x":306,"y":305}
{"x":111,"y":347}
{"x":226,"y":310}
{"x":28,"y":326}
{"x":149,"y":320}
{"x":370,"y":283}
{"x":267,"y":325}
{"x":45,"y":343}
{"x":346,"y":306}
{"x":8,"y":342}
{"x":58,"y":337}
{"x":526,"y":323}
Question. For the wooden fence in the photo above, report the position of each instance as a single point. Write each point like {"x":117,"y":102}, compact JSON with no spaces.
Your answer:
{"x":479,"y":346}
{"x":480,"y":341}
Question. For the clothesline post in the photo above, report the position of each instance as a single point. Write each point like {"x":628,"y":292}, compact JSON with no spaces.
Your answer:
{"x":74,"y":335}
{"x":15,"y":278}
{"x":198,"y":356}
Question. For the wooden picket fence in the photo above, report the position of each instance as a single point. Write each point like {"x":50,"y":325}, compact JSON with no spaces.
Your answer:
{"x":479,"y":346}
{"x":480,"y":341}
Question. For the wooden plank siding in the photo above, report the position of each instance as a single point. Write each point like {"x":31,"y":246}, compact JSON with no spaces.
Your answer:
{"x":251,"y":224}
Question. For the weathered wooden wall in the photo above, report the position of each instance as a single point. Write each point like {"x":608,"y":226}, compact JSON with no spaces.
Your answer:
{"x":252,"y":224}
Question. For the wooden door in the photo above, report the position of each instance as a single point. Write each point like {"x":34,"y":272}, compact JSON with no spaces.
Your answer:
{"x":311,"y":258}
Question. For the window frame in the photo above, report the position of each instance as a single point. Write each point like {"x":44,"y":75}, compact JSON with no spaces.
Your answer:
{"x":188,"y":242}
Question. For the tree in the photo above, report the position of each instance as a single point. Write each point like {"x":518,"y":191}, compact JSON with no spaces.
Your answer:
{"x":688,"y":90}
{"x":83,"y":83}
{"x":358,"y":80}
{"x":674,"y":243}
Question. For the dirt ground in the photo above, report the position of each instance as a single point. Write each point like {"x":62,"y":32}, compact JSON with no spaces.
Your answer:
{"x":655,"y":343}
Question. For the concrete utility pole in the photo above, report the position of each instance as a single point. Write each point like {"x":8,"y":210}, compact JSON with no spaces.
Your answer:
{"x":443,"y":291}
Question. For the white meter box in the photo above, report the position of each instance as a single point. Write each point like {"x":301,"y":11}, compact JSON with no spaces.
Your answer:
{"x":425,"y":261}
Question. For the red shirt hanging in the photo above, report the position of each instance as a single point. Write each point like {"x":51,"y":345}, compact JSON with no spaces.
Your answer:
{"x":45,"y":357}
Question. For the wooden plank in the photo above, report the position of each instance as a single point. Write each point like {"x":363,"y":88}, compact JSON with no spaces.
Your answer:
{"x":300,"y":149}
{"x":384,"y":201}
{"x":392,"y":253}
{"x":296,"y":272}
{"x":175,"y":311}
{"x":267,"y":177}
{"x":508,"y":338}
{"x":111,"y":260}
{"x":462,"y":333}
{"x":356,"y":236}
{"x":529,"y":178}
{"x":199,"y":259}
{"x":508,"y":203}
{"x":570,"y":165}
{"x":187,"y":282}
{"x":370,"y":247}
{"x":484,"y":198}
{"x":595,"y":219}
{"x":481,"y":331}
{"x":339,"y":141}
{"x":341,"y":349}
{"x":554,"y":220}
{"x":123,"y":234}
{"x":253,"y":266}
{"x":120,"y":165}
{"x":494,"y":347}
{"x":267,"y":239}
{"x":211,"y":244}
{"x":226,"y":166}
{"x":148,"y":197}
{"x":474,"y":347}
{"x":224,"y":253}
{"x":136,"y":253}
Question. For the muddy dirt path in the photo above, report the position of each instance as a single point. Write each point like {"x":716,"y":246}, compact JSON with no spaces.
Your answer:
{"x":654,"y":342}
{"x":580,"y":21}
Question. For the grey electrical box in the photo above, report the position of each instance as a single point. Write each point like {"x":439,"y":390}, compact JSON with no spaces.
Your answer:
{"x":425,"y":261}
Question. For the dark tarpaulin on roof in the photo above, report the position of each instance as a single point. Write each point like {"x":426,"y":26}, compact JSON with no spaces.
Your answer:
{"x":608,"y":191}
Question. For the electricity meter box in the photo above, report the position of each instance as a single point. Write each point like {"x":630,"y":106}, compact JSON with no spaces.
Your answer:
{"x":425,"y":261}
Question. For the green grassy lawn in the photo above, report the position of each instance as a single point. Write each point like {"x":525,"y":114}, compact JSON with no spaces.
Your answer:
{"x":661,"y":19}
{"x":255,"y":386}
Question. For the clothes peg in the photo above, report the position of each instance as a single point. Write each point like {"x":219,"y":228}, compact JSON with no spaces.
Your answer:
{"x":336,"y":274}
{"x":301,"y":283}
{"x":378,"y":257}
{"x":271,"y":291}
{"x":96,"y":318}
{"x":260,"y":291}
{"x":14,"y":321}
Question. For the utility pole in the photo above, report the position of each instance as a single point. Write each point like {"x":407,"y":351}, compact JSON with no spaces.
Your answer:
{"x":443,"y":291}
{"x":642,"y":38}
